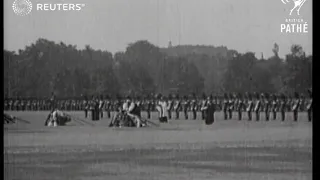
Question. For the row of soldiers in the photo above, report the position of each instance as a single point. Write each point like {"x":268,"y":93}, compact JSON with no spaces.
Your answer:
{"x":228,"y":103}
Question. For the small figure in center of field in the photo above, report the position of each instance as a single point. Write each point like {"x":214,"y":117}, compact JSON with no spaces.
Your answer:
{"x":209,"y":110}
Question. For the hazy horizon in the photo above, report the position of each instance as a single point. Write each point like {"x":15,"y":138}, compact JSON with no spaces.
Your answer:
{"x":247,"y":25}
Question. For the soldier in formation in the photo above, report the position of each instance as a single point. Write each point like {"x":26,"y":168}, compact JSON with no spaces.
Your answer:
{"x":266,"y":106}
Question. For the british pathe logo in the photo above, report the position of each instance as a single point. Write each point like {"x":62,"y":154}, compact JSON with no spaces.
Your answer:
{"x":297,"y":5}
{"x":294,"y":23}
{"x":22,"y":7}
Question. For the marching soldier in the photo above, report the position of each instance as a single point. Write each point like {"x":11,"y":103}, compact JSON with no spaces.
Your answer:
{"x":309,"y":105}
{"x":177,"y":105}
{"x":107,"y":103}
{"x":203,"y":104}
{"x":22,"y":104}
{"x":52,"y":101}
{"x":283,"y":107}
{"x":11,"y":104}
{"x":231,"y":105}
{"x":149,"y":106}
{"x":101,"y":106}
{"x":250,"y":105}
{"x":185,"y":106}
{"x":34,"y":105}
{"x":289,"y":103}
{"x":85,"y":105}
{"x":225,"y":106}
{"x":240,"y":106}
{"x":138,"y":106}
{"x":274,"y":106}
{"x":92,"y":108}
{"x":118,"y":104}
{"x":267,"y":106}
{"x":67,"y":105}
{"x":257,"y":107}
{"x":73,"y":105}
{"x":296,"y":105}
{"x":194,"y":107}
{"x":16,"y":105}
{"x":220,"y":103}
{"x":302,"y":103}
{"x":170,"y":106}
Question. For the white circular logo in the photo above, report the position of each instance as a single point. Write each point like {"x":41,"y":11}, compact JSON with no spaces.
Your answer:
{"x":22,"y":7}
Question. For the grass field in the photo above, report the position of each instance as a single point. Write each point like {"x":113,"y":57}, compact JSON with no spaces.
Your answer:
{"x":181,"y":149}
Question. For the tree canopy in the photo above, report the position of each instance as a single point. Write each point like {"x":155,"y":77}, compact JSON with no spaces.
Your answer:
{"x":47,"y":66}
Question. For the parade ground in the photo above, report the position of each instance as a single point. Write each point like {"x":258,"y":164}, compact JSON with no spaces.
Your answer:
{"x":180,"y":149}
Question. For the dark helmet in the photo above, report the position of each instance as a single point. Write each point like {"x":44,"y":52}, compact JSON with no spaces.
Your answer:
{"x":118,"y":96}
{"x":239,"y":95}
{"x":225,"y":95}
{"x":177,"y":96}
{"x":257,"y":95}
{"x":274,"y":96}
{"x":203,"y":96}
{"x":296,"y":95}
{"x":185,"y":97}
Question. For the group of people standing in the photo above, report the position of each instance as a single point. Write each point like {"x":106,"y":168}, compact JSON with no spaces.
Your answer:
{"x":251,"y":105}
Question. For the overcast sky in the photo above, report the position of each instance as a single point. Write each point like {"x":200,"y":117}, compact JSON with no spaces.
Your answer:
{"x":243,"y":25}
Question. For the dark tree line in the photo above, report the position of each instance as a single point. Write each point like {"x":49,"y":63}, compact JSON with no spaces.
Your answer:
{"x":46,"y":67}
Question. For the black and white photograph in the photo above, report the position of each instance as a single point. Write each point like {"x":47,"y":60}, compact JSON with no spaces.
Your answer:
{"x":158,"y":89}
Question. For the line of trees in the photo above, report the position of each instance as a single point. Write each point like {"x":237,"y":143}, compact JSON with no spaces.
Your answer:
{"x":143,"y":68}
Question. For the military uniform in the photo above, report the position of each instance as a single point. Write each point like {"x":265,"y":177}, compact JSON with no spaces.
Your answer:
{"x":101,"y":107}
{"x":274,"y":106}
{"x":267,"y":106}
{"x":231,"y":106}
{"x":225,"y":106}
{"x":138,"y":106}
{"x":52,"y":102}
{"x":257,"y":106}
{"x":250,"y":106}
{"x":149,"y":107}
{"x":309,"y":105}
{"x":296,"y":105}
{"x":240,"y":105}
{"x":202,"y":107}
{"x":283,"y":107}
{"x":194,"y":107}
{"x":108,"y":106}
{"x":302,"y":103}
{"x":177,"y":106}
{"x":170,"y":106}
{"x":16,"y":105}
{"x":185,"y":105}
